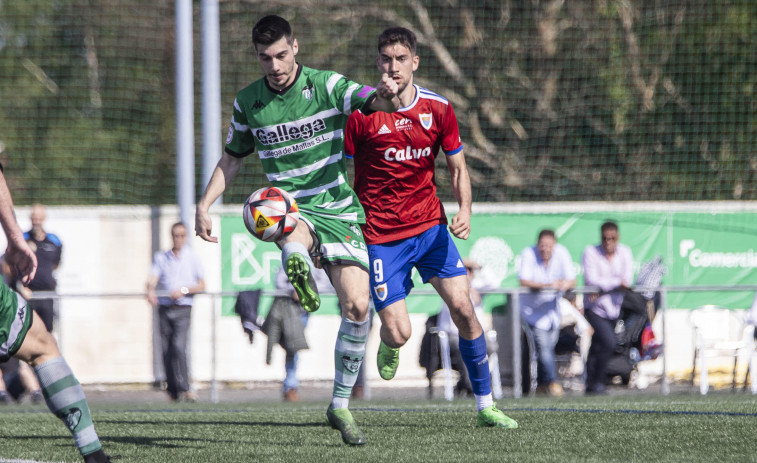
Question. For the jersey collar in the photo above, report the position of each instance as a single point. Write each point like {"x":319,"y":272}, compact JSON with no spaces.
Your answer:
{"x":285,"y":89}
{"x":415,"y":100}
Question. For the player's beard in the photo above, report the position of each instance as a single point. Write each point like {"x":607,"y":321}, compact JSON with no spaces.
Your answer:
{"x":404,"y":86}
{"x":284,"y":78}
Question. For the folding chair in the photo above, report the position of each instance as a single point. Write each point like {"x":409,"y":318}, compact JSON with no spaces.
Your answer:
{"x":751,"y":366}
{"x":718,"y":332}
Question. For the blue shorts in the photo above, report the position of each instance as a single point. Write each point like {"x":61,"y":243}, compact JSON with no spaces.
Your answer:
{"x":432,"y":252}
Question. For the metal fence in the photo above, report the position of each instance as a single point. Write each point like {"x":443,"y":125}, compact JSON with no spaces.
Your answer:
{"x":512,"y":293}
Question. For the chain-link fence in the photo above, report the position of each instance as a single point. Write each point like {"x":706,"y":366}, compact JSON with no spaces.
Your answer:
{"x":579,"y":100}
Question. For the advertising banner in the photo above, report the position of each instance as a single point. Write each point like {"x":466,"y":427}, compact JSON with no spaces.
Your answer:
{"x":697,"y":248}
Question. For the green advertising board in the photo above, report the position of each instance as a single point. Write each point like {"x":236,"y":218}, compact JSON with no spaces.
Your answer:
{"x":697,"y":248}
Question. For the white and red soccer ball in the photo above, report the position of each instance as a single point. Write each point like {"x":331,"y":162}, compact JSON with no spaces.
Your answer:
{"x":270,"y":214}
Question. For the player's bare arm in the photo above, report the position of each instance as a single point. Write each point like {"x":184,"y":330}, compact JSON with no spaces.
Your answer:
{"x":387,"y":99}
{"x":18,"y":255}
{"x":224,"y":173}
{"x":460,"y":225}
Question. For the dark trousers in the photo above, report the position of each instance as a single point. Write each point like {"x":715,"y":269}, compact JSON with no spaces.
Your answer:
{"x":174,"y":328}
{"x":45,"y":308}
{"x":601,"y":350}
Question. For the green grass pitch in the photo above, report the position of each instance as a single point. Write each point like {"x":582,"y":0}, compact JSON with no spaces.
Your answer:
{"x":714,"y":428}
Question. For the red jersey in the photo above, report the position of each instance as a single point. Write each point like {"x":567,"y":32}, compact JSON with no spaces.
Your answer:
{"x":394,"y":157}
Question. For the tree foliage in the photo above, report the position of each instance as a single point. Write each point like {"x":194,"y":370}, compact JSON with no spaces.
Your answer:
{"x":557,"y":100}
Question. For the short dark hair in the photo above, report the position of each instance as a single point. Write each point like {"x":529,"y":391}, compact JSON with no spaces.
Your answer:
{"x":547,"y":232}
{"x":399,"y":35}
{"x":609,"y":225}
{"x":177,"y":225}
{"x":270,"y":29}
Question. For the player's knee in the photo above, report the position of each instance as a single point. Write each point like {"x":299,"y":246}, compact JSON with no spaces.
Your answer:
{"x":39,"y":347}
{"x":356,"y":308}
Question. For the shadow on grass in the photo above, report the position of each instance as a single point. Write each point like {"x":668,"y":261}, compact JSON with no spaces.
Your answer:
{"x":317,"y":424}
{"x":162,"y":442}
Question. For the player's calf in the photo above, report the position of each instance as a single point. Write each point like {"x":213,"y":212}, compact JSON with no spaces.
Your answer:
{"x":65,"y":398}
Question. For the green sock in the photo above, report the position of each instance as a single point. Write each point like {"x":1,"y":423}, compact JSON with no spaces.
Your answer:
{"x":348,"y":356}
{"x":65,"y":398}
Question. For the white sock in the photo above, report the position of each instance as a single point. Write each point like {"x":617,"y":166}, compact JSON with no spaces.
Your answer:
{"x":295,"y":247}
{"x":340,"y":402}
{"x":484,"y":401}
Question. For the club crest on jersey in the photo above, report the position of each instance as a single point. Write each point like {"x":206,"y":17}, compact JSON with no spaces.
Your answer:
{"x":230,"y":136}
{"x":381,"y":291}
{"x":426,"y":120}
{"x":307,"y":93}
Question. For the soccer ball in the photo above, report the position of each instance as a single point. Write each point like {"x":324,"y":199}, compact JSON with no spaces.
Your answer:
{"x":270,"y":214}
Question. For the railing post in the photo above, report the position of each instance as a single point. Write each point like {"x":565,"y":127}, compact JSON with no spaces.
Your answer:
{"x":664,"y":308}
{"x":213,"y":351}
{"x":449,"y":392}
{"x":57,"y":326}
{"x":515,"y":314}
{"x":491,"y":337}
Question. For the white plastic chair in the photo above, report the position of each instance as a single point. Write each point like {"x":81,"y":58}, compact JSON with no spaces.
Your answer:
{"x":752,"y":366}
{"x":718,"y":332}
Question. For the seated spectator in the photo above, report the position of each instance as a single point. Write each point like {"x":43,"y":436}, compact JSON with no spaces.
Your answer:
{"x":547,"y":270}
{"x":572,"y":321}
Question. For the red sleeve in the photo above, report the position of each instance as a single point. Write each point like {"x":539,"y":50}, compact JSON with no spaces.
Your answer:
{"x":451,"y":143}
{"x":352,"y":133}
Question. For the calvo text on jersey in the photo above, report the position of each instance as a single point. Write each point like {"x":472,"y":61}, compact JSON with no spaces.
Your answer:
{"x":406,"y":154}
{"x":286,"y":132}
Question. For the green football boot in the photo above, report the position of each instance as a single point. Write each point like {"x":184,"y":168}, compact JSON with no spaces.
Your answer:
{"x":299,"y":274}
{"x":388,"y":360}
{"x":342,"y":420}
{"x":492,"y":417}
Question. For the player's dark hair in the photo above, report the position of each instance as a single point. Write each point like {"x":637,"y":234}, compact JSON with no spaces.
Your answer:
{"x":609,"y":225}
{"x":177,"y":225}
{"x":270,"y":29}
{"x":399,"y":35}
{"x":547,"y":232}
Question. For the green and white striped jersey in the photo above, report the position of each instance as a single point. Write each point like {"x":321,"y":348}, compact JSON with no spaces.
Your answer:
{"x":299,"y":136}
